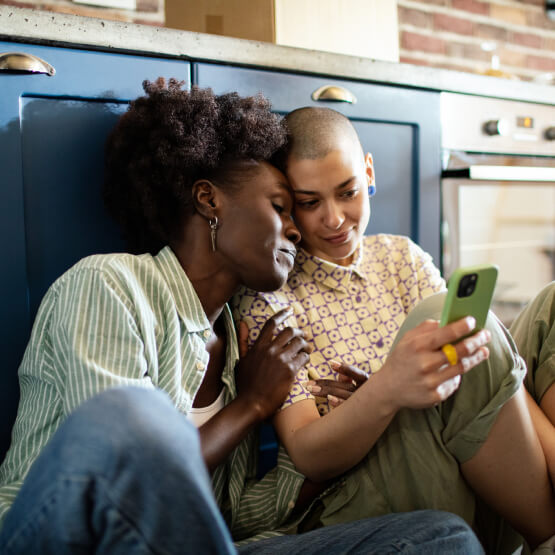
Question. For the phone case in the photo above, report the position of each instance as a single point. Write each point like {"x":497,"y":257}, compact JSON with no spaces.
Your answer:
{"x":476,"y":303}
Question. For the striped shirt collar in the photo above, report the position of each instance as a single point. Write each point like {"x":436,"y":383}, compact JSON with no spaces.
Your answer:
{"x":187,"y":303}
{"x":328,"y":273}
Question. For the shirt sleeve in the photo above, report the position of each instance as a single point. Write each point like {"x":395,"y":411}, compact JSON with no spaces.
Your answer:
{"x":426,"y":280}
{"x":96,"y":338}
{"x":255,"y":309}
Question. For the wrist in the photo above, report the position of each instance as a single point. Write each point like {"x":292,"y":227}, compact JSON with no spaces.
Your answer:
{"x":381,"y":395}
{"x":251,"y":407}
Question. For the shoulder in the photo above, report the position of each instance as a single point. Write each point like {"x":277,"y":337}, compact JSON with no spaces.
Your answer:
{"x":120,"y":274}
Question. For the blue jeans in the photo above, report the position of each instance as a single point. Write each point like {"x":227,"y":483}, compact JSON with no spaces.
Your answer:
{"x":124,"y":475}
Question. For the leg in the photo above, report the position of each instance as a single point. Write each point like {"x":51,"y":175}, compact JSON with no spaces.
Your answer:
{"x":122,"y":475}
{"x":534,"y":334}
{"x":489,"y":430}
{"x":410,"y":533}
{"x":509,"y":472}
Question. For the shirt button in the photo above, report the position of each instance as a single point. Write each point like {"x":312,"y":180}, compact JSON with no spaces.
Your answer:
{"x":200,"y":365}
{"x":291,"y":505}
{"x":207,"y":333}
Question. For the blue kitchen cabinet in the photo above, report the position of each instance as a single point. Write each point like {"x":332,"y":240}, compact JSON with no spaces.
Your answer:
{"x":52,"y":135}
{"x":399,"y":126}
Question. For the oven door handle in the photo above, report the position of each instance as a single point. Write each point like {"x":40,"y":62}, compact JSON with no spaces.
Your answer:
{"x":502,"y":173}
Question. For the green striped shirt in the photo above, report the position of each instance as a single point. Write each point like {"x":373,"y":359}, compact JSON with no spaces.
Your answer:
{"x":116,"y":320}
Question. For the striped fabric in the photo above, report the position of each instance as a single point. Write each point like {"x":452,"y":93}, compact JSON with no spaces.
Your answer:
{"x":115,"y":320}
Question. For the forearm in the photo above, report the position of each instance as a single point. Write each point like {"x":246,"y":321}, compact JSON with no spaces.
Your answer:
{"x":223,"y":432}
{"x":328,"y":446}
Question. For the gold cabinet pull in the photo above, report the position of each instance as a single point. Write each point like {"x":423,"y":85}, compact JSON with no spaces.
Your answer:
{"x":24,"y":63}
{"x":334,"y":93}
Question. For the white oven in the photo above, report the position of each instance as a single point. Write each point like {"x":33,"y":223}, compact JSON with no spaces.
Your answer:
{"x":498,"y":193}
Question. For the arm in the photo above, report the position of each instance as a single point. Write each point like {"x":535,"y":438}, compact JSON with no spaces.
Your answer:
{"x":263,"y":377}
{"x":322,"y":448}
{"x":96,"y":339}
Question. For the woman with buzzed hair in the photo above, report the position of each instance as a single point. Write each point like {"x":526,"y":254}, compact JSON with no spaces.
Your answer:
{"x":422,"y":429}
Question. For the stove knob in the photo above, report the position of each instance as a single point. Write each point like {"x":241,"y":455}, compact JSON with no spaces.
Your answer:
{"x":496,"y":127}
{"x":550,"y":133}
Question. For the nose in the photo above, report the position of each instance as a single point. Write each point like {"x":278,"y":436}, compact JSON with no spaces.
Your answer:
{"x":332,"y":216}
{"x":291,"y":231}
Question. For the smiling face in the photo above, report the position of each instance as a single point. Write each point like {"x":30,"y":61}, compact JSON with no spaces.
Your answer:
{"x":332,"y":208}
{"x":257,"y":236}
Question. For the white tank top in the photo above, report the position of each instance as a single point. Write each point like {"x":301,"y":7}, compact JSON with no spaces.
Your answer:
{"x":198,"y":416}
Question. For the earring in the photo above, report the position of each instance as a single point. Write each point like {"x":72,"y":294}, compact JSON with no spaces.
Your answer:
{"x":213,"y":223}
{"x":371,"y":186}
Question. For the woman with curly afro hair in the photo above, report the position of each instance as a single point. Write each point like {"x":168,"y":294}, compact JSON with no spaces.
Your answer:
{"x":130,"y":354}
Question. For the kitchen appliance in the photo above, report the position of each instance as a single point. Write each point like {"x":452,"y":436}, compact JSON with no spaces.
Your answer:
{"x":498,"y":193}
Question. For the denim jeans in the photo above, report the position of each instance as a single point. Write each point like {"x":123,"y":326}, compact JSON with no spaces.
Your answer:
{"x":124,"y":475}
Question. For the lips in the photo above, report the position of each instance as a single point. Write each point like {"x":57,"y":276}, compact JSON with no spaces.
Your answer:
{"x":289,"y":255}
{"x":338,"y":238}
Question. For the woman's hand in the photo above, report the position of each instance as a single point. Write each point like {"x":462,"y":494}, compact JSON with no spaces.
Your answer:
{"x":350,"y":378}
{"x":266,"y":371}
{"x":417,"y":373}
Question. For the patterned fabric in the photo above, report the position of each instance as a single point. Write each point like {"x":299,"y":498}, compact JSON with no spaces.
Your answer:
{"x":116,"y":320}
{"x":349,"y":313}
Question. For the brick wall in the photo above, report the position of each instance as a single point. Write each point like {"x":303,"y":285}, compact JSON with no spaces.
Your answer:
{"x":437,"y":33}
{"x":451,"y":34}
{"x":148,"y":12}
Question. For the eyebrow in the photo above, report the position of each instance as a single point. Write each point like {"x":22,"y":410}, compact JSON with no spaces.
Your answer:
{"x":340,"y":186}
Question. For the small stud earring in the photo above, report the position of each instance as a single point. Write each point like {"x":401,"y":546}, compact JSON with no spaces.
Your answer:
{"x":213,"y":223}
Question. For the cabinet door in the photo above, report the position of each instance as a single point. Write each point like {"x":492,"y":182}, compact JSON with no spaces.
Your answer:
{"x":399,"y":126}
{"x":52,"y":135}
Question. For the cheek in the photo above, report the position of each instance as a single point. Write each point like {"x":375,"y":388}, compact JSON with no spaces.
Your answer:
{"x":307,"y":224}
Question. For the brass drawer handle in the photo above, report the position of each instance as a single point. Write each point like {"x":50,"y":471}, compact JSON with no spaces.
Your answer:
{"x":334,"y":93}
{"x":24,"y":63}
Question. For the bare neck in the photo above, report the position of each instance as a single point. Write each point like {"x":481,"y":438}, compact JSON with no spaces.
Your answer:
{"x":213,"y":282}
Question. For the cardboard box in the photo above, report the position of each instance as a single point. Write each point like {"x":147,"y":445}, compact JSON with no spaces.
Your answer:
{"x":367,"y":28}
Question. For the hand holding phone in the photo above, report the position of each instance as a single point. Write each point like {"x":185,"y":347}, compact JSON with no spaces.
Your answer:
{"x":469,"y":293}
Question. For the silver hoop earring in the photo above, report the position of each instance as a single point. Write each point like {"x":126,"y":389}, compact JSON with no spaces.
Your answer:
{"x":213,"y":223}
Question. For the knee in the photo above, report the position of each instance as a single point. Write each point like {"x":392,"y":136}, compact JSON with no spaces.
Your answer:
{"x":122,"y":422}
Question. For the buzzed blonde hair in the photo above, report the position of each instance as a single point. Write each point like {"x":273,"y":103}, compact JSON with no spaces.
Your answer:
{"x":313,"y":132}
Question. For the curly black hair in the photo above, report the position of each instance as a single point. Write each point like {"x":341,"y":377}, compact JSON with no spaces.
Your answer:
{"x":169,"y":139}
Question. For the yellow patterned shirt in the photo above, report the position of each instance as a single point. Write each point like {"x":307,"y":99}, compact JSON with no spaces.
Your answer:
{"x":349,"y":313}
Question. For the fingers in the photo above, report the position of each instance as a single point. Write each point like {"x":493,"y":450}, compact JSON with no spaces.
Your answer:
{"x":464,"y":350}
{"x":352,"y":373}
{"x":449,"y":377}
{"x":272,"y":324}
{"x":451,"y":333}
{"x":323,"y":388}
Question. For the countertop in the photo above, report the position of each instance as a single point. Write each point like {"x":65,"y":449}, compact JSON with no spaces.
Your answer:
{"x":26,"y":25}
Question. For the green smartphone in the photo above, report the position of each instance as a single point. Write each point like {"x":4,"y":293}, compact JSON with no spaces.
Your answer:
{"x":469,"y":293}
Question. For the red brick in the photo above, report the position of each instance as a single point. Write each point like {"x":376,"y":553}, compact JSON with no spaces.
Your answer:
{"x":469,"y":52}
{"x":471,"y":6}
{"x":527,"y":39}
{"x":415,"y":17}
{"x":536,"y":18}
{"x":490,"y":32}
{"x":549,"y":44}
{"x":512,"y":58}
{"x":457,"y":25}
{"x":540,"y":62}
{"x":414,"y":41}
{"x":151,"y":6}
